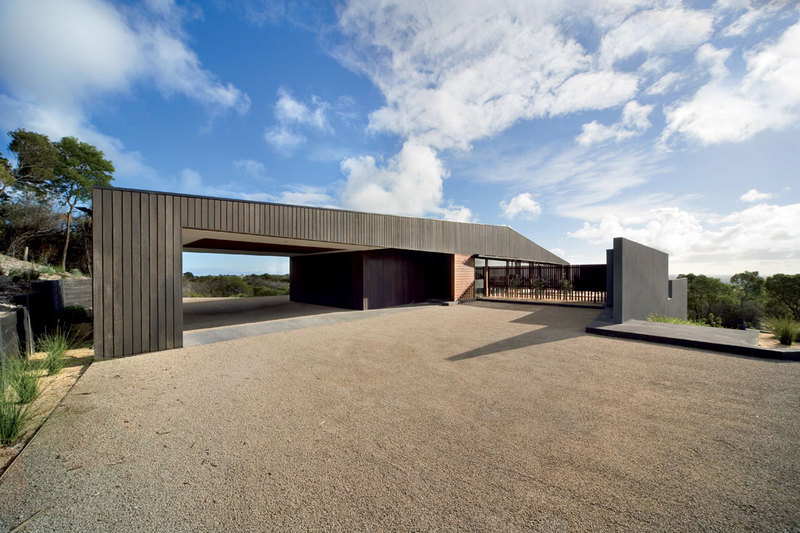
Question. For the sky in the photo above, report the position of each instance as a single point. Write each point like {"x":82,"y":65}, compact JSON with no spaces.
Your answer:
{"x":675,"y":124}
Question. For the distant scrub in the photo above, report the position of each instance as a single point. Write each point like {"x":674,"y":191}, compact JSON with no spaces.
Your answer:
{"x":231,"y":285}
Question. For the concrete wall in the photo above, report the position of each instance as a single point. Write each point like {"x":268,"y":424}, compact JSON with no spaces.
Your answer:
{"x":16,"y":335}
{"x":640,"y":283}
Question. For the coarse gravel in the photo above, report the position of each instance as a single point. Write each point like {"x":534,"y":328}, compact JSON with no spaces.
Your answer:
{"x":479,"y":417}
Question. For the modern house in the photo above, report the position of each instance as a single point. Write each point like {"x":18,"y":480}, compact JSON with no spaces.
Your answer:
{"x":337,"y":258}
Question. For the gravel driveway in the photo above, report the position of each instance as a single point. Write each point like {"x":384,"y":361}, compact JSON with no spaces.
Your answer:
{"x":487,"y":417}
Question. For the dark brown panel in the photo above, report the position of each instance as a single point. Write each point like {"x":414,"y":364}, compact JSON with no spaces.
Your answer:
{"x":136,"y":273}
{"x":108,"y":275}
{"x":169,"y":280}
{"x":160,"y":275}
{"x":177,"y":276}
{"x":97,"y":269}
{"x":155,"y":307}
{"x":127,"y":276}
{"x":145,"y":266}
{"x":116,"y":225}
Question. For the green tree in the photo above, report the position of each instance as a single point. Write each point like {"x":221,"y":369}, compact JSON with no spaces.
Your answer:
{"x":37,"y":160}
{"x":710,"y":300}
{"x":784,"y":289}
{"x":6,"y":176}
{"x":80,"y":167}
{"x":749,"y":287}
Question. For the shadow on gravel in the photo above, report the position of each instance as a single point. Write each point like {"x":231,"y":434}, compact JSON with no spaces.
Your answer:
{"x":553,"y":324}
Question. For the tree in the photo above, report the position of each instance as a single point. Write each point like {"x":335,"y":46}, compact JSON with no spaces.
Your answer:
{"x":711,"y":300}
{"x":80,"y":167}
{"x":37,"y":159}
{"x":749,"y":286}
{"x":6,"y":176}
{"x":785,"y":290}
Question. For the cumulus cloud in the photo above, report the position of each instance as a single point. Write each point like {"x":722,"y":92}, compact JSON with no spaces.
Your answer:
{"x":522,"y":205}
{"x":57,"y":58}
{"x":292,"y":118}
{"x":768,"y":97}
{"x":750,"y":14}
{"x":754,"y":195}
{"x":410,"y":183}
{"x":756,"y":238}
{"x":453,"y":73}
{"x":632,"y":123}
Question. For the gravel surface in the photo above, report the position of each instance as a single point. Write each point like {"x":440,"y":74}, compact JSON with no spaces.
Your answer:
{"x":488,"y":417}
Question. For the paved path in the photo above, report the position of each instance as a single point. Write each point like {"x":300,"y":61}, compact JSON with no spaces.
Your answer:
{"x":485,"y":417}
{"x":740,"y":342}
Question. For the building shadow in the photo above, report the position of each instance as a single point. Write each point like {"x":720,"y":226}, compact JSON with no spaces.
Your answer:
{"x":550,"y":323}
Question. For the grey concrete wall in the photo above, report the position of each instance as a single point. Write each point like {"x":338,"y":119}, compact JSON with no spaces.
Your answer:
{"x":641,"y":285}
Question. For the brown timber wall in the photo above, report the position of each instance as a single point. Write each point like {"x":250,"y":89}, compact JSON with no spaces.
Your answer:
{"x":137,"y":272}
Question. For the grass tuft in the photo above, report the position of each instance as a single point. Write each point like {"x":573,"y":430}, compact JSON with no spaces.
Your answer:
{"x":55,"y":345}
{"x":13,"y":413}
{"x":22,"y":375}
{"x":784,"y":329}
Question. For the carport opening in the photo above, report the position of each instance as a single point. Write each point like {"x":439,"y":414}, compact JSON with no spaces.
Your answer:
{"x":221,"y":289}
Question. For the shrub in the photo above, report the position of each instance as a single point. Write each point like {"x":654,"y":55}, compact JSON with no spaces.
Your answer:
{"x":783,"y":328}
{"x":672,"y":320}
{"x":76,"y":272}
{"x":55,"y":345}
{"x":73,"y":314}
{"x":22,"y":376}
{"x":20,"y":274}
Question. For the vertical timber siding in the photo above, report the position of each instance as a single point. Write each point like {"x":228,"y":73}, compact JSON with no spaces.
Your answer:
{"x":137,"y":266}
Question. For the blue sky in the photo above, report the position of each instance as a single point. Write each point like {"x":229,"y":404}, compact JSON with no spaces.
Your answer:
{"x":676,"y":124}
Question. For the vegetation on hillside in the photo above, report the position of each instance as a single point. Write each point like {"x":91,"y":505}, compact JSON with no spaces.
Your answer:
{"x":232,"y":285}
{"x":748,"y":300}
{"x":44,"y":196}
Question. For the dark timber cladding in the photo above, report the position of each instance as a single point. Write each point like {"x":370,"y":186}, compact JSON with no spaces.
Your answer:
{"x":139,"y":237}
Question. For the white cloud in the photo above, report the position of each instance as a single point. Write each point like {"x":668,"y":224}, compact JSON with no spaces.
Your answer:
{"x":410,"y":183}
{"x":522,"y":205}
{"x":762,"y":237}
{"x":57,"y":58}
{"x":754,"y":196}
{"x":283,"y":139}
{"x":190,"y":180}
{"x":306,"y":195}
{"x":251,"y":167}
{"x":294,"y":116}
{"x":665,"y":83}
{"x":454,"y":72}
{"x":656,"y":32}
{"x":768,"y":97}
{"x":754,"y":13}
{"x":632,"y":123}
{"x":85,"y":48}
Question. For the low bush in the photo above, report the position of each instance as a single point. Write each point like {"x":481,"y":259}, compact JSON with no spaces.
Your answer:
{"x":21,"y":274}
{"x":784,"y":329}
{"x":673,"y":320}
{"x":73,"y":314}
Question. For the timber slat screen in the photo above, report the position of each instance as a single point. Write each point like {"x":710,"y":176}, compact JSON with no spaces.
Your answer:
{"x":525,"y":280}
